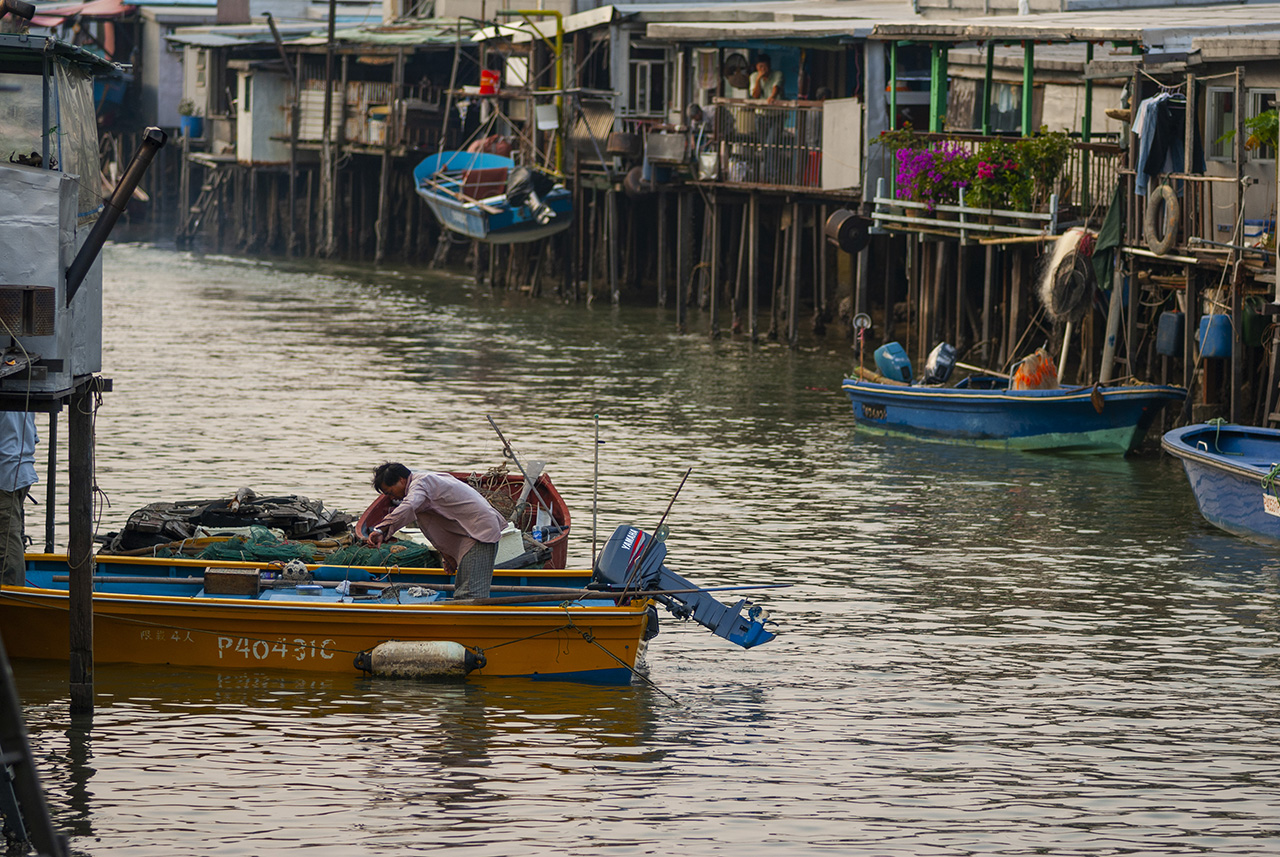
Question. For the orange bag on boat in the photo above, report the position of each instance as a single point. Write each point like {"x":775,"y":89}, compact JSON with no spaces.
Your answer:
{"x":1037,"y":372}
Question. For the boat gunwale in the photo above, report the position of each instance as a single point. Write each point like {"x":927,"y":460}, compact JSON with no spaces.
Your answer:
{"x":1178,"y":448}
{"x":42,"y":595}
{"x":1158,"y":391}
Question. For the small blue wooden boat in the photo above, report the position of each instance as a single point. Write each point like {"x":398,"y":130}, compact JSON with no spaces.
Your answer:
{"x":982,"y":411}
{"x":469,"y":193}
{"x":1232,"y":470}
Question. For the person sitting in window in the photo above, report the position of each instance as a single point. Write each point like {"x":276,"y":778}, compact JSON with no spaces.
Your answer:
{"x":766,"y":84}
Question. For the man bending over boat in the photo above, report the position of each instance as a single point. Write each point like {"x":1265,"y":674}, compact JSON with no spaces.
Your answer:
{"x":455,"y":517}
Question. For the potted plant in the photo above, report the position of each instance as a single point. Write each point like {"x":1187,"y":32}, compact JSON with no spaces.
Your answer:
{"x":1001,"y":179}
{"x":933,"y":175}
{"x":189,"y":120}
{"x":1044,"y":157}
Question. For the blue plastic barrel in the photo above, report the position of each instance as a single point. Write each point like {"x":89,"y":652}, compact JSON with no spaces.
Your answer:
{"x":1215,"y":335}
{"x":893,"y":363}
{"x":1169,"y":333}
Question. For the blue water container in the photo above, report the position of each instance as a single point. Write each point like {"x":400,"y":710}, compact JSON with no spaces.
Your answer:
{"x":1215,"y":335}
{"x":893,"y":363}
{"x":1169,"y":333}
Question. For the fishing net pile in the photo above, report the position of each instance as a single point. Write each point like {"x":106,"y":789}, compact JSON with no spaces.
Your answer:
{"x":295,"y":518}
{"x":263,"y":545}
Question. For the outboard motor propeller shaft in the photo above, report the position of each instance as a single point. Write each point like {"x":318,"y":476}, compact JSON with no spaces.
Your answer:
{"x":633,"y":559}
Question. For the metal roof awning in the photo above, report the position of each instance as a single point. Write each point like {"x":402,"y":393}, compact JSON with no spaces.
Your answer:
{"x":1176,"y":27}
{"x":53,"y":14}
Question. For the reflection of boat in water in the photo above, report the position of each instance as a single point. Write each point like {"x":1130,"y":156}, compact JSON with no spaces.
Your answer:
{"x":1233,"y":472}
{"x":488,"y":198}
{"x":325,"y":620}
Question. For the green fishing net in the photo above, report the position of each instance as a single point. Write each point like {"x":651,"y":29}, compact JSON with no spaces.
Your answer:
{"x":403,"y":554}
{"x":261,"y":546}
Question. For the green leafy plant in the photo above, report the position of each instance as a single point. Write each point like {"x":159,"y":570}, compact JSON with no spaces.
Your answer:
{"x":1262,"y":131}
{"x":186,"y":107}
{"x":1044,"y":157}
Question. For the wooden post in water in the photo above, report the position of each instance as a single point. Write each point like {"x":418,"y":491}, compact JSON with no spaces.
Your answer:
{"x":793,"y":329}
{"x":988,"y":282}
{"x":80,"y":544}
{"x":713,"y":213}
{"x":753,"y":263}
{"x":740,"y":270}
{"x":50,"y":483}
{"x":662,"y":246}
{"x":684,"y":260}
{"x":611,"y":233}
{"x":820,"y":279}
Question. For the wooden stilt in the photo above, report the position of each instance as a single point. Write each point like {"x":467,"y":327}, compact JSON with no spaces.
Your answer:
{"x":753,"y":264}
{"x":684,"y":257}
{"x":611,"y":231}
{"x":714,"y":284}
{"x":793,"y":278}
{"x":80,"y":544}
{"x":988,"y":283}
{"x":50,"y":483}
{"x":662,"y":247}
{"x":739,"y":270}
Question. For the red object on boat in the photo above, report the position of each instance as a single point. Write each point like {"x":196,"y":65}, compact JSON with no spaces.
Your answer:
{"x":543,"y":496}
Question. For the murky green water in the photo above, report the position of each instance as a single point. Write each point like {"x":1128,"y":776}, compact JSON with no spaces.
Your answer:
{"x":981,"y":653}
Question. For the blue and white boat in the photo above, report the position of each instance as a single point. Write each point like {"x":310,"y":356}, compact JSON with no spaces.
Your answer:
{"x":488,"y":198}
{"x":982,"y":411}
{"x":1232,"y":470}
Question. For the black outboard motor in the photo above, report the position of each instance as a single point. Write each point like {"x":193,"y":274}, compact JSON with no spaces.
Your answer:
{"x":937,"y":368}
{"x":527,"y":186}
{"x":632,"y":560}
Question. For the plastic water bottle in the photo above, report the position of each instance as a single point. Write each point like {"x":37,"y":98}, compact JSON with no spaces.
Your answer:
{"x":537,"y":534}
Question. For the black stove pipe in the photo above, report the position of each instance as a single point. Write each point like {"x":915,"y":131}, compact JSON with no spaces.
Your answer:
{"x":113,"y":207}
{"x":18,"y":9}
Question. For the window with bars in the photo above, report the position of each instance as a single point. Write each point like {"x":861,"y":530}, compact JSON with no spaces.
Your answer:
{"x":648,"y":96}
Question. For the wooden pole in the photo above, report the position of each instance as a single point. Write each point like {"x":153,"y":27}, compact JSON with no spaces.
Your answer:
{"x":820,"y":279}
{"x":684,"y":253}
{"x":80,"y":545}
{"x":753,"y":264}
{"x":1237,"y":237}
{"x":988,"y":283}
{"x":793,"y":329}
{"x":294,"y":123}
{"x":714,"y":214}
{"x":662,"y":247}
{"x":50,"y":483}
{"x":611,"y":231}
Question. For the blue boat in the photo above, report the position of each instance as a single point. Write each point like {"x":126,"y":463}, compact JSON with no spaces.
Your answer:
{"x":488,"y":198}
{"x":1232,"y":470}
{"x":982,"y":411}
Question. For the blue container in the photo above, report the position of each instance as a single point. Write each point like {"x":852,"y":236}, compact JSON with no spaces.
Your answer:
{"x":1169,"y":333}
{"x":893,"y":363}
{"x":192,"y":126}
{"x":1215,"y":335}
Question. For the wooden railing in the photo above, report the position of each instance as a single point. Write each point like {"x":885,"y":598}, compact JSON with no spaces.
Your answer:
{"x":1088,"y":178}
{"x":755,"y":143}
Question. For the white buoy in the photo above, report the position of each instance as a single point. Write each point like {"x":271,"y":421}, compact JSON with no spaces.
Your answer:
{"x":436,"y":660}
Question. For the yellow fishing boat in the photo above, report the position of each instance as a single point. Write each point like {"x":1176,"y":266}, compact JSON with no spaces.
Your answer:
{"x":302,"y":629}
{"x":317,"y":618}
